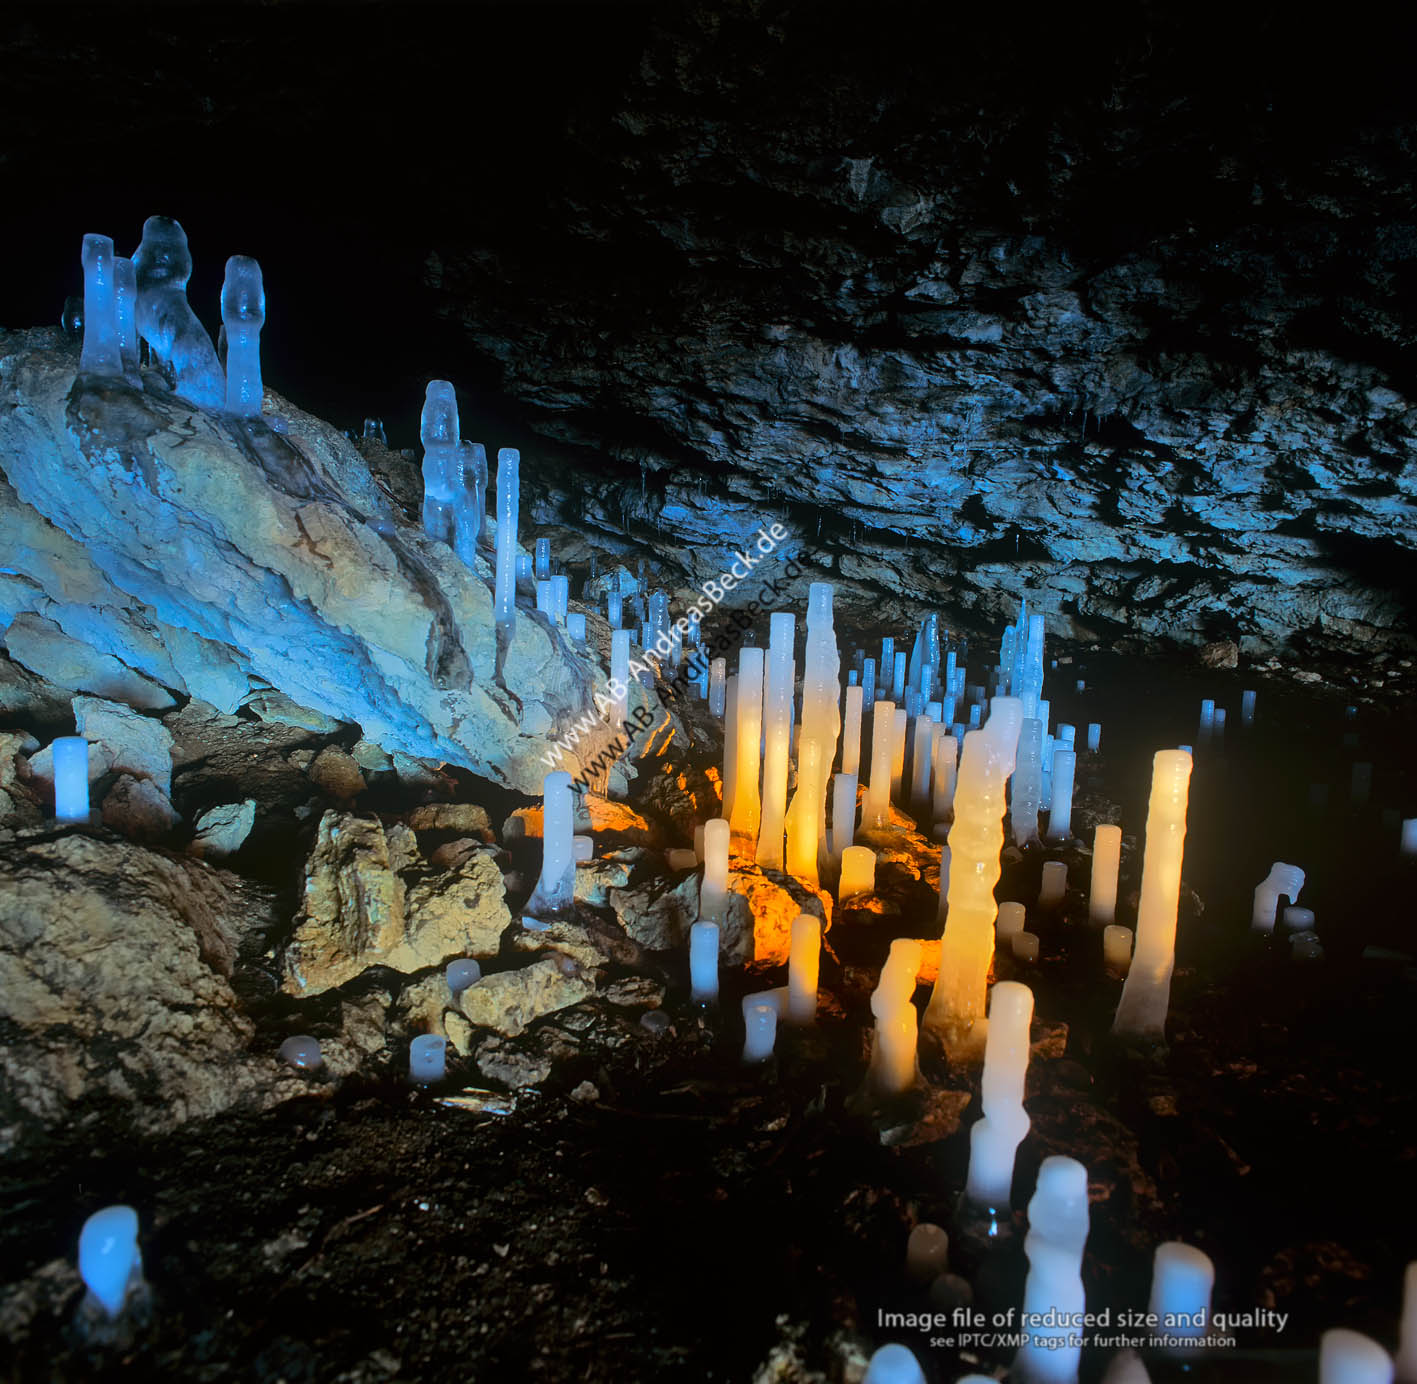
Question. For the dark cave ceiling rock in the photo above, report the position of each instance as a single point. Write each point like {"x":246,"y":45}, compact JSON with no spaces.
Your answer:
{"x":973,"y":327}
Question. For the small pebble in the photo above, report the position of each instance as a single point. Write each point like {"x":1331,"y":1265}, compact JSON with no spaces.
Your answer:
{"x":655,"y":1021}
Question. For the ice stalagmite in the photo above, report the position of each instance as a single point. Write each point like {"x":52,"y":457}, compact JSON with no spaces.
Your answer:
{"x":821,"y":691}
{"x":469,"y":499}
{"x":777,"y":717}
{"x":1146,"y":995}
{"x":975,"y":841}
{"x":1028,"y":782}
{"x":125,"y":281}
{"x":508,"y":502}
{"x":243,"y":311}
{"x":438,"y":431}
{"x":100,"y":354}
{"x":162,"y":265}
{"x":556,"y":887}
{"x":1053,"y":1298}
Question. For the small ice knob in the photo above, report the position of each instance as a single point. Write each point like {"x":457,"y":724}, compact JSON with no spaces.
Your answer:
{"x":109,"y":1260}
{"x":462,"y":973}
{"x":894,"y":1364}
{"x":759,"y":1028}
{"x":427,"y":1058}
{"x":1348,"y":1357}
{"x":302,"y":1051}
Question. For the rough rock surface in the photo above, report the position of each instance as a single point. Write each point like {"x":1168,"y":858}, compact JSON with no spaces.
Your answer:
{"x":211,"y":558}
{"x":114,"y":966}
{"x":359,"y":910}
{"x":1133,"y":342}
{"x":510,"y":1000}
{"x":222,"y":830}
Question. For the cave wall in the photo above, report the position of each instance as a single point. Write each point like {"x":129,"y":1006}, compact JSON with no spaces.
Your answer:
{"x":1120,"y":319}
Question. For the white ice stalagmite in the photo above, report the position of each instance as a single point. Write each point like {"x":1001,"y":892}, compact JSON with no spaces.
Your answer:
{"x":1182,"y":1278}
{"x":1028,"y":783}
{"x":619,"y":676}
{"x":1407,"y":1330}
{"x":1060,"y":813}
{"x":893,"y":1054}
{"x":1147,"y":992}
{"x":920,"y":802}
{"x":777,"y":716}
{"x":101,"y":353}
{"x":821,"y":690}
{"x":703,"y":962}
{"x":975,"y":840}
{"x":899,"y":725}
{"x":759,"y":1028}
{"x":557,"y":886}
{"x":125,"y":283}
{"x":851,"y":732}
{"x":945,"y":771}
{"x":746,"y":814}
{"x":713,"y":893}
{"x":876,"y":810}
{"x":718,"y":677}
{"x":541,"y":560}
{"x":469,"y":499}
{"x":802,"y":827}
{"x":508,"y":503}
{"x":1106,"y":863}
{"x":858,"y":872}
{"x":893,"y":1364}
{"x":1349,"y":1357}
{"x":438,"y":432}
{"x":243,"y":313}
{"x":427,"y":1058}
{"x":730,"y":745}
{"x":1282,"y":879}
{"x":162,"y":265}
{"x":1053,"y":1292}
{"x":994,"y":1139}
{"x":803,"y":968}
{"x":843,"y":827}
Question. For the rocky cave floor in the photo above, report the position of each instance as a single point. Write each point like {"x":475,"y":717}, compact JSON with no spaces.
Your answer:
{"x":649,"y":1209}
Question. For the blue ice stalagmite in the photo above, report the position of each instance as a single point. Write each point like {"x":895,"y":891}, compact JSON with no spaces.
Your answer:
{"x":508,"y":502}
{"x":243,"y":312}
{"x":100,"y":354}
{"x":163,"y":264}
{"x":438,"y":431}
{"x":109,"y":1260}
{"x":125,"y":283}
{"x":71,"y":778}
{"x":469,"y":499}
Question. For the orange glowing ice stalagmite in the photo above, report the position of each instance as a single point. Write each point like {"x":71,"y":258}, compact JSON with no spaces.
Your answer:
{"x":1147,"y":993}
{"x":975,"y":841}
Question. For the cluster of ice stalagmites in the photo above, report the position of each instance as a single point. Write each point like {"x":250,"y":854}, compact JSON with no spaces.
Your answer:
{"x":147,"y":297}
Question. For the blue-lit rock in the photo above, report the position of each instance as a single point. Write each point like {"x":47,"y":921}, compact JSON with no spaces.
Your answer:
{"x":210,"y":556}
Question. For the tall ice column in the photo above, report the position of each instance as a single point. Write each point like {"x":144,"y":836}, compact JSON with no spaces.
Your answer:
{"x":508,"y":502}
{"x":975,"y":840}
{"x":1147,"y":992}
{"x":777,"y":717}
{"x":747,"y":810}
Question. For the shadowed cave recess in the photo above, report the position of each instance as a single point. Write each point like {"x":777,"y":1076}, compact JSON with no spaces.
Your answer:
{"x":940,"y":331}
